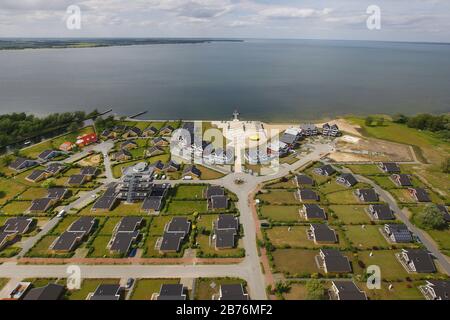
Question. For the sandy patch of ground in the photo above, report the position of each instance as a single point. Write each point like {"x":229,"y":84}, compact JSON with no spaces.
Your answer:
{"x":94,"y":160}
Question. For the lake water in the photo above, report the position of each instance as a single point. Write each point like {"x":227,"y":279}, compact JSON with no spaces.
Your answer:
{"x":264,"y":79}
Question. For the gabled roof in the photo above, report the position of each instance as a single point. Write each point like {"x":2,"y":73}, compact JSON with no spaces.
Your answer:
{"x":390,"y":167}
{"x":56,"y":193}
{"x":444,"y":211}
{"x":107,"y":292}
{"x":122,"y":241}
{"x":167,"y":128}
{"x":348,"y":178}
{"x":151,"y":129}
{"x":421,"y":259}
{"x":17,"y":224}
{"x":323,"y":233}
{"x":154,"y":150}
{"x":303,"y":179}
{"x":47,"y":154}
{"x":122,"y":153}
{"x":227,"y":221}
{"x":232,"y":292}
{"x":83,"y":224}
{"x":36,"y":174}
{"x":21,"y":163}
{"x":441,"y":288}
{"x":171,"y":241}
{"x":172,"y":165}
{"x":49,"y":292}
{"x":158,"y":165}
{"x":403,"y":180}
{"x":76,"y":179}
{"x":40,"y":204}
{"x":218,"y":202}
{"x":135,"y":130}
{"x":128,"y":143}
{"x":335,"y":261}
{"x":159,"y":140}
{"x":191,"y":169}
{"x":325,"y":170}
{"x":368,"y":195}
{"x":399,"y":232}
{"x":347,"y":290}
{"x":214,"y":191}
{"x":54,"y":167}
{"x":89,"y":171}
{"x":179,"y":224}
{"x":421,"y":194}
{"x":313,"y":211}
{"x":67,"y":241}
{"x":105,"y":202}
{"x":171,"y":292}
{"x":129,"y":224}
{"x":308,"y":194}
{"x":153,"y":203}
{"x":225,"y":238}
{"x":288,"y":138}
{"x":382,"y":211}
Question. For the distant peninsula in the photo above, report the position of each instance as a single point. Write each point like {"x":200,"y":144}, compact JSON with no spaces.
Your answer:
{"x":21,"y":44}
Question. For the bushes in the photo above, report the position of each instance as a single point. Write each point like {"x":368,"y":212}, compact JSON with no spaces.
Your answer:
{"x":430,"y":218}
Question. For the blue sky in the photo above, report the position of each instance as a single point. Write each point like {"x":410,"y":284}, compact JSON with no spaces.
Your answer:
{"x":402,"y":20}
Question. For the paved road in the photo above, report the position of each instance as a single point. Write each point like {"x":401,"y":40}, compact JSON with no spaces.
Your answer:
{"x":430,"y":245}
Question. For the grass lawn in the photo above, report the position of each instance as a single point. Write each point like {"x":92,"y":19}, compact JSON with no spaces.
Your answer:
{"x":33,"y":151}
{"x":402,"y":195}
{"x":157,"y":225}
{"x":290,"y":184}
{"x":207,"y":287}
{"x":391,"y":268}
{"x":207,"y":249}
{"x":400,"y":291}
{"x":296,"y":237}
{"x":151,"y":252}
{"x":71,"y":137}
{"x":3,"y":282}
{"x":206,"y":220}
{"x":9,"y":189}
{"x":332,"y":186}
{"x":123,"y":209}
{"x":365,"y":238}
{"x":16,"y":207}
{"x":297,"y":291}
{"x":108,"y":227}
{"x":281,"y":213}
{"x":351,"y":214}
{"x":88,"y":286}
{"x":63,"y":225}
{"x":99,"y":247}
{"x":384,"y":182}
{"x":117,"y":168}
{"x":33,"y":193}
{"x":186,"y":207}
{"x":342,"y":197}
{"x":442,"y":237}
{"x":41,"y":249}
{"x":209,"y":174}
{"x":295,"y":261}
{"x":316,"y":177}
{"x":189,"y":192}
{"x":365,"y":169}
{"x":144,"y":288}
{"x":279,"y":197}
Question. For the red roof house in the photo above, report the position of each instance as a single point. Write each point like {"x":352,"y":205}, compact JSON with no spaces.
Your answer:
{"x":86,"y":139}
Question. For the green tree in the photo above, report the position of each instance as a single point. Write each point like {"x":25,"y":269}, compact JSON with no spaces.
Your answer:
{"x":315,"y":290}
{"x":369,"y":120}
{"x":281,"y":287}
{"x":431,"y":218}
{"x":399,"y":118}
{"x":49,"y":183}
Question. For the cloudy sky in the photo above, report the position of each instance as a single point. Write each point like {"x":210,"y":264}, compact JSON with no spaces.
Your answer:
{"x":402,"y":20}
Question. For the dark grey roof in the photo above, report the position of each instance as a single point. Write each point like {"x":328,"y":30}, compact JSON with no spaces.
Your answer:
{"x":36,"y":174}
{"x":21,"y":163}
{"x":308,"y":194}
{"x":136,"y":130}
{"x":313,"y":211}
{"x":335,"y":261}
{"x":51,"y":291}
{"x":288,"y":138}
{"x":171,"y":241}
{"x":390,"y":167}
{"x":192,"y":169}
{"x":399,"y":232}
{"x":171,"y":292}
{"x":159,"y":190}
{"x":56,"y":193}
{"x":129,"y":224}
{"x":155,"y":150}
{"x":225,"y":238}
{"x":17,"y":224}
{"x":158,"y":165}
{"x":153,"y":203}
{"x":89,"y":171}
{"x":227,"y":221}
{"x":323,"y":233}
{"x":348,"y":178}
{"x":172,"y":165}
{"x":441,"y":288}
{"x":347,"y":290}
{"x":421,"y":259}
{"x":47,"y":154}
{"x":159,"y":140}
{"x":421,"y":194}
{"x":40,"y":204}
{"x":67,"y":241}
{"x":107,"y":292}
{"x":444,"y":211}
{"x":232,"y":292}
{"x":128,"y":143}
{"x":122,"y":153}
{"x":167,"y":128}
{"x":104,"y":202}
{"x":402,"y":179}
{"x":83,"y":224}
{"x":304,"y":180}
{"x":122,"y":241}
{"x":368,"y":195}
{"x":218,"y":202}
{"x":214,"y":191}
{"x":54,"y":167}
{"x":76,"y":179}
{"x":151,"y":129}
{"x":179,"y":224}
{"x":325,"y":170}
{"x":383,"y":211}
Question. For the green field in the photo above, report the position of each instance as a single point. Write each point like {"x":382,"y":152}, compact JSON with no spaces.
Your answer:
{"x":365,"y":238}
{"x":294,"y":262}
{"x":192,"y":192}
{"x":342,"y":197}
{"x":293,"y":237}
{"x":391,"y":268}
{"x":399,"y":291}
{"x":281,"y":213}
{"x":351,"y":214}
{"x":186,"y":207}
{"x":145,"y":288}
{"x":16,"y":207}
{"x":278,"y":197}
{"x":9,"y":189}
{"x":89,"y":286}
{"x":207,"y":287}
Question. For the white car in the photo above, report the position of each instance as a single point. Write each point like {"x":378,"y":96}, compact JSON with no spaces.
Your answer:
{"x":61,"y":213}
